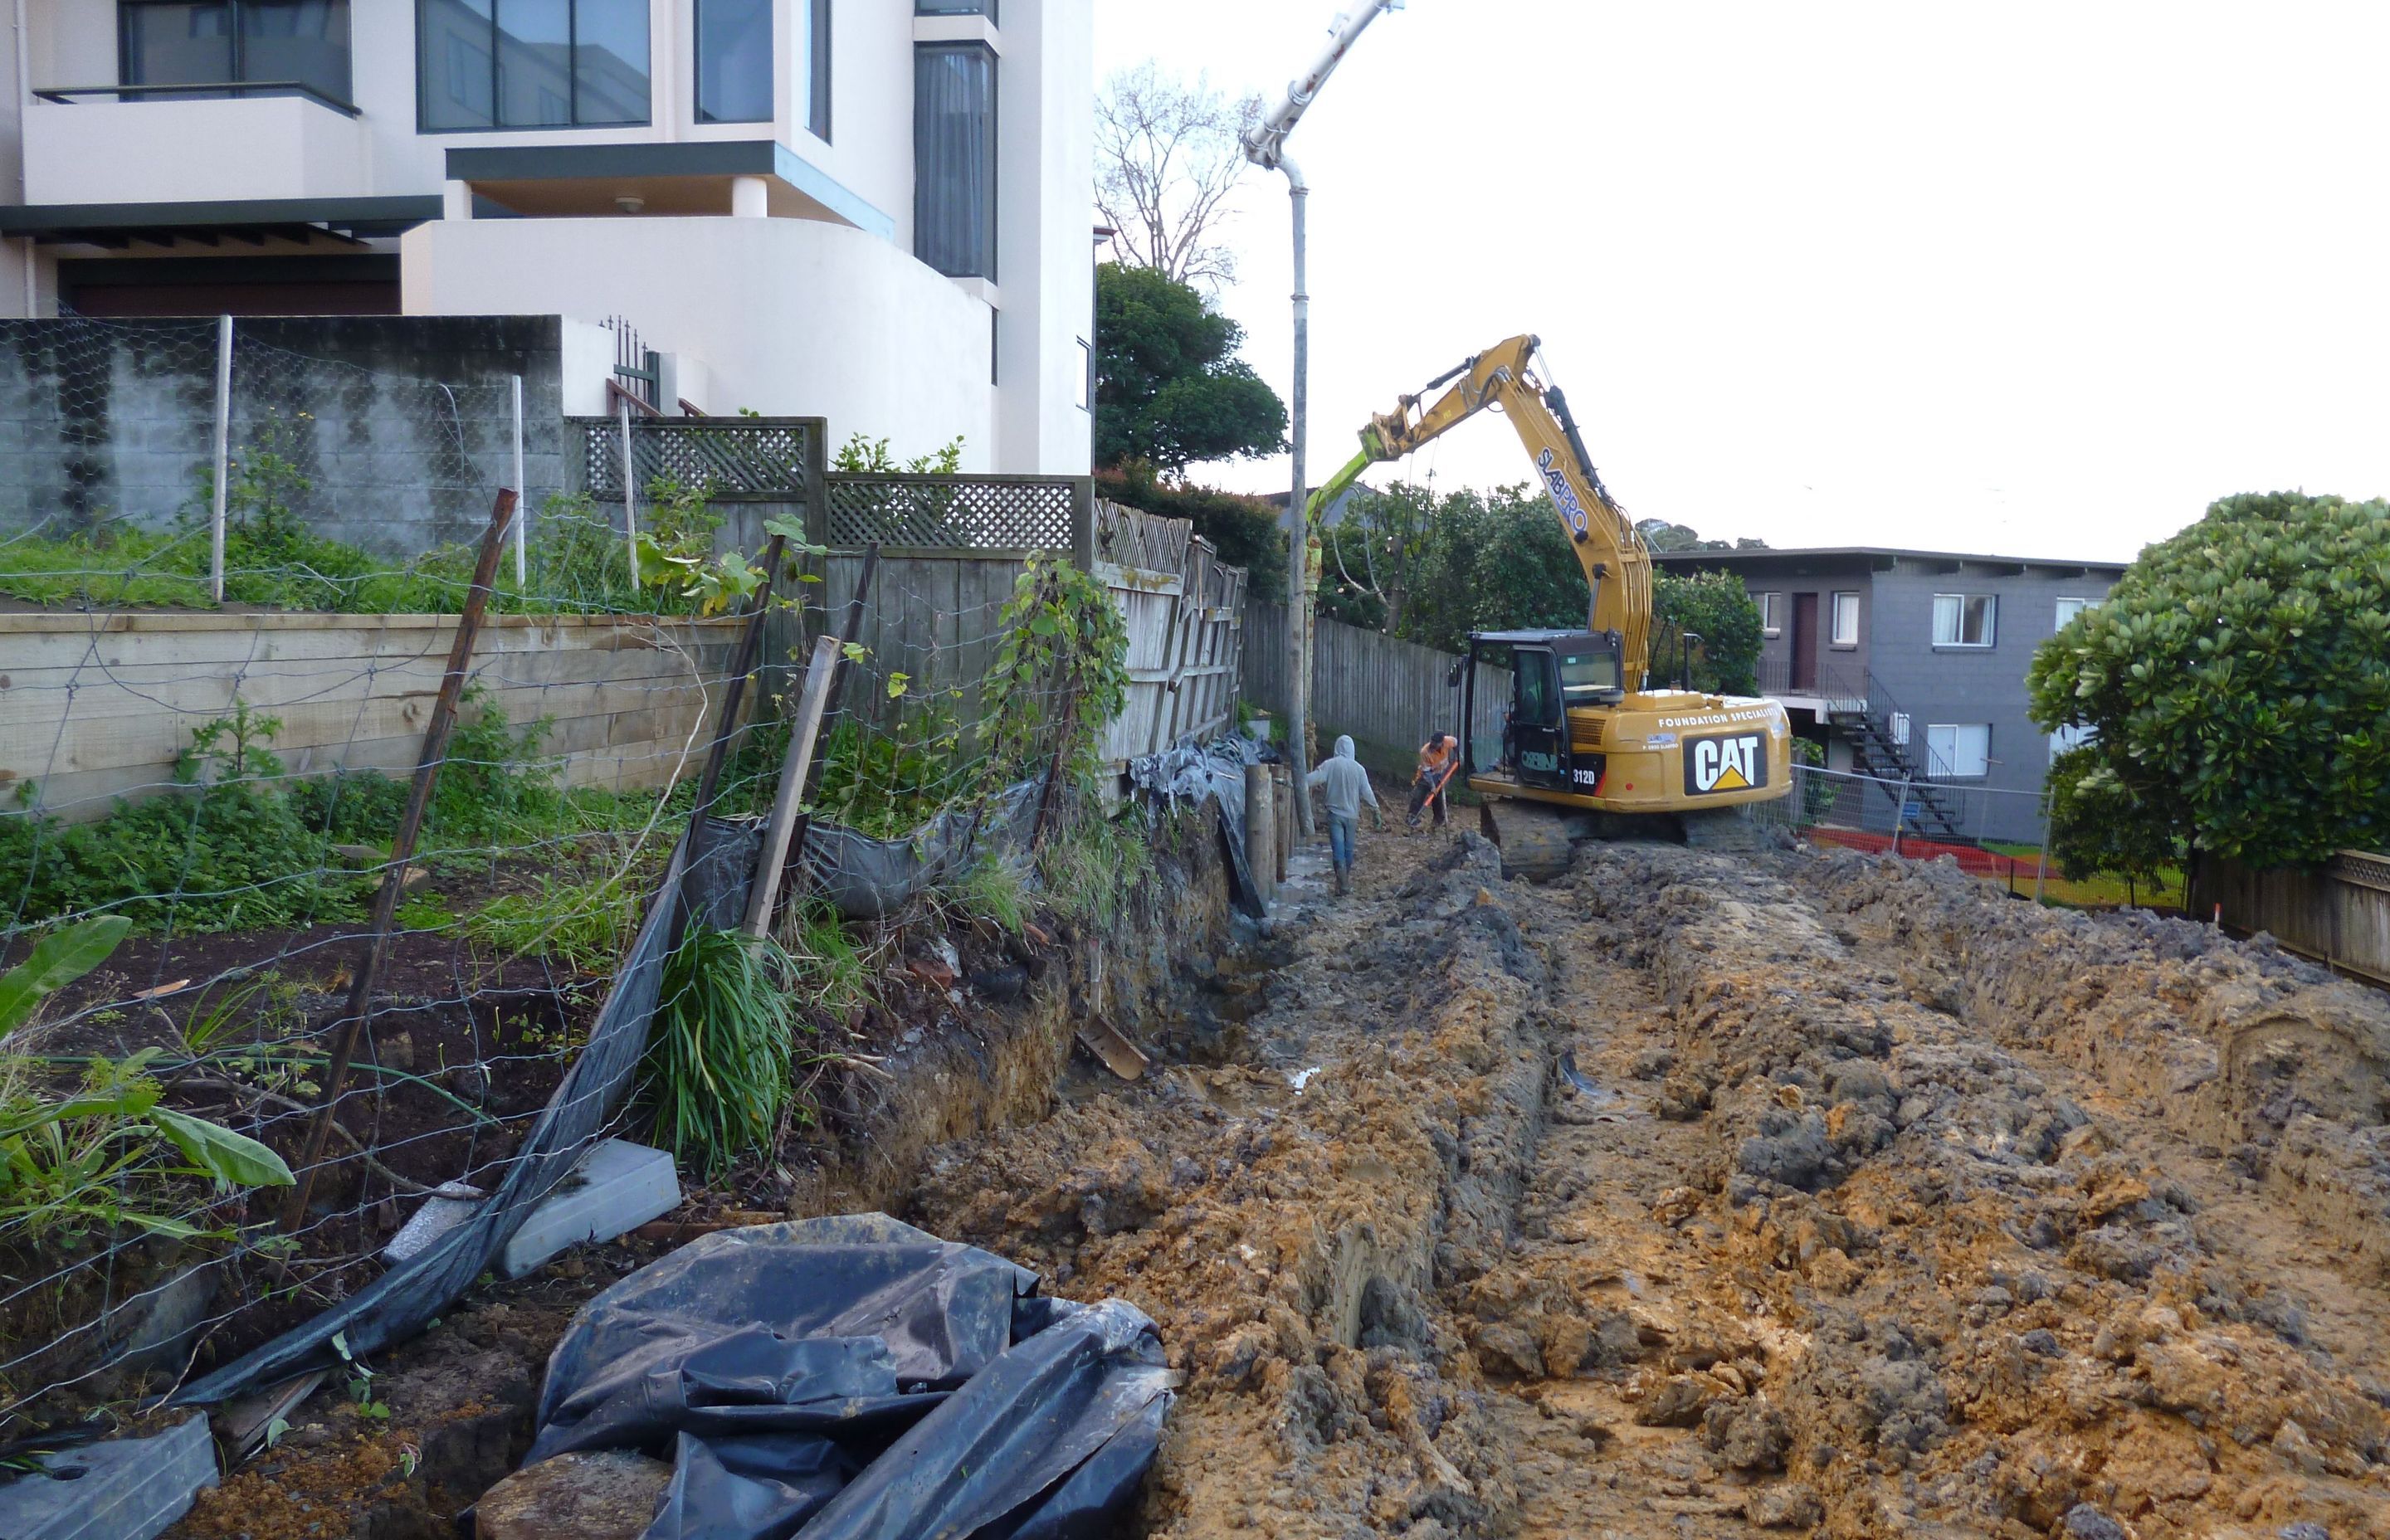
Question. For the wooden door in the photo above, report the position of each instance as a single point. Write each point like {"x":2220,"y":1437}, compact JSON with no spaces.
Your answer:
{"x":1804,"y":644}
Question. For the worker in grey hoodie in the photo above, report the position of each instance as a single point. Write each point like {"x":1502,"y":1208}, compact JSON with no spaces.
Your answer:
{"x":1346,"y":787}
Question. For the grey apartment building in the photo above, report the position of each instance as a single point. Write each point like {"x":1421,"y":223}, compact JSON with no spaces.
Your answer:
{"x":1910,"y":665}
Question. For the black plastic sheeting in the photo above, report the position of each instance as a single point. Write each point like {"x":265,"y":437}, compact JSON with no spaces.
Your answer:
{"x":404,"y":1301}
{"x":1216,"y":769}
{"x":868,"y":877}
{"x":855,"y":1379}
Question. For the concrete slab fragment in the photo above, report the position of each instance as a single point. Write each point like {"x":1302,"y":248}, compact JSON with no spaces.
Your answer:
{"x":618,"y":1187}
{"x":122,"y":1489}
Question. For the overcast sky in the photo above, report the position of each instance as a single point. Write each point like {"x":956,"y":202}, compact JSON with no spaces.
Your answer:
{"x":2029,"y":278}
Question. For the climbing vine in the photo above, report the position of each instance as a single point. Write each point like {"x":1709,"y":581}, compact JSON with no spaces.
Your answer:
{"x":1061,"y":655}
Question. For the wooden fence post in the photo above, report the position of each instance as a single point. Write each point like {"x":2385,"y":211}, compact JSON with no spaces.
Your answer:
{"x":769,"y":865}
{"x":353,"y":1021}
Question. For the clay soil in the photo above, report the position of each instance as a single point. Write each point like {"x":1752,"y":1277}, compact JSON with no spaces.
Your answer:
{"x":1700,"y":1195}
{"x":1692,"y":1195}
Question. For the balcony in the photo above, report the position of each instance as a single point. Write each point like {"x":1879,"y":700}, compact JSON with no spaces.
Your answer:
{"x":261,"y":141}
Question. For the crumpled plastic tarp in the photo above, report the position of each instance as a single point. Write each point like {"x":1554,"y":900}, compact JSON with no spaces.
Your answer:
{"x":868,"y":877}
{"x":857,"y":1378}
{"x":1194,"y":771}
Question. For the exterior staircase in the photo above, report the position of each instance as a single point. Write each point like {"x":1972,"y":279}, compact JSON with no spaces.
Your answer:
{"x":1866,"y":721}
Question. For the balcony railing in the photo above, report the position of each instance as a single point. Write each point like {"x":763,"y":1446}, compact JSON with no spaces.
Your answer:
{"x":1845,"y":687}
{"x":66,"y":95}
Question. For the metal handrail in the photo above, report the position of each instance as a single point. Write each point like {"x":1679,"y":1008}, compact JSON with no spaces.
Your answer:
{"x":66,"y":95}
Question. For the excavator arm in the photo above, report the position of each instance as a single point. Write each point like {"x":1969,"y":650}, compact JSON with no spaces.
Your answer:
{"x":1617,"y":566}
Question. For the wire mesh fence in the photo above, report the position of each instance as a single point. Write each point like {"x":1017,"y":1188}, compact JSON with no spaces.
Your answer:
{"x":1874,"y":814}
{"x":224,"y":788}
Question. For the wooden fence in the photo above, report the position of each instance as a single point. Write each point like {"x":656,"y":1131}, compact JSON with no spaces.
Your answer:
{"x":1379,"y":688}
{"x":97,"y":707}
{"x":2338,"y":913}
{"x":933,"y":618}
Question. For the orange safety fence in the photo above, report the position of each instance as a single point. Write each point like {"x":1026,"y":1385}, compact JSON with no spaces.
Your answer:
{"x":1973,"y":859}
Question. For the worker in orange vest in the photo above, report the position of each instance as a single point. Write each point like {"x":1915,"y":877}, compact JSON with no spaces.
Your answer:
{"x":1439,"y":759}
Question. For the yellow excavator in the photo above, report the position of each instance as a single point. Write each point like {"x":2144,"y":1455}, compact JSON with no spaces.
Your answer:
{"x":1583,"y":747}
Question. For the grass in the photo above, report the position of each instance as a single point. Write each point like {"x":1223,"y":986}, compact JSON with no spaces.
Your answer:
{"x":2100,"y":891}
{"x":1092,"y":867}
{"x":716,"y":1072}
{"x":585,"y":924}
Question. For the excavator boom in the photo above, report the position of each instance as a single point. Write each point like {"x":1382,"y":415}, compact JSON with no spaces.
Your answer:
{"x":1617,"y":566}
{"x":1586,"y":741}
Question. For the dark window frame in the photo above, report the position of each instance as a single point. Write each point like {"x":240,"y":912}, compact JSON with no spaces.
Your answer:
{"x":991,"y":169}
{"x":125,"y":10}
{"x":696,"y":64}
{"x":817,"y":70}
{"x":572,"y":76}
{"x":957,"y":7}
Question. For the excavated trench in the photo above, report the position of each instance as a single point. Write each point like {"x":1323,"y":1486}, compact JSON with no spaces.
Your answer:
{"x":1692,"y":1194}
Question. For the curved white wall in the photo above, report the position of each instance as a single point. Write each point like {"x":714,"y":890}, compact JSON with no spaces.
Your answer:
{"x":790,"y":317}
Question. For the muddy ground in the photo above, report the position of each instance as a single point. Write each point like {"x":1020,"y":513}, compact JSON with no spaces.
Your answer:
{"x":1693,"y":1195}
{"x":1699,"y":1195}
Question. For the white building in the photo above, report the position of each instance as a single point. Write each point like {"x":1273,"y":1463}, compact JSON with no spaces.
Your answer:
{"x":872,"y":211}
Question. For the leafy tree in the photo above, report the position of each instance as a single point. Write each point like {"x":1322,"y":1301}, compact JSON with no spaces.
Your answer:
{"x":1167,"y":155}
{"x":2237,"y":685}
{"x":2095,"y":826}
{"x":1245,"y":531}
{"x":1372,"y":559}
{"x":1169,"y":388}
{"x":1714,"y":606}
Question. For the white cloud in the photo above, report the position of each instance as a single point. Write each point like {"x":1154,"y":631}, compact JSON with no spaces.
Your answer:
{"x":2036,"y":278}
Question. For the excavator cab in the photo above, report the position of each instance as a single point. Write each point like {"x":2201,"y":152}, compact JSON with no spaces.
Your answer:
{"x":1551,"y":674}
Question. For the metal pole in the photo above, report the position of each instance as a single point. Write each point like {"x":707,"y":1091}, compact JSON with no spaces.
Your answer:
{"x":1900,"y":816}
{"x":522,"y":498}
{"x":1298,"y":561}
{"x":1264,"y":145}
{"x":2041,"y":866}
{"x":630,"y":494}
{"x":223,"y":458}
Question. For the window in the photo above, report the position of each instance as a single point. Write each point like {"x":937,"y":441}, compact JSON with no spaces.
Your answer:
{"x":222,"y":41}
{"x":1900,"y":728}
{"x":1961,"y":750}
{"x":733,"y":62}
{"x":2071,"y":737}
{"x":532,"y":63}
{"x":1962,"y":620}
{"x":953,"y":159}
{"x":1589,"y":674}
{"x":1769,"y":607}
{"x":1087,"y":376}
{"x":1846,"y":620}
{"x":816,"y":73}
{"x":954,"y":7}
{"x":2069,"y":609}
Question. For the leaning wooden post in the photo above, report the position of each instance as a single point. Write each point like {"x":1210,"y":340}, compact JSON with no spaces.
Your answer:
{"x":847,"y":635}
{"x":353,"y":1021}
{"x":777,"y":834}
{"x":751,"y":643}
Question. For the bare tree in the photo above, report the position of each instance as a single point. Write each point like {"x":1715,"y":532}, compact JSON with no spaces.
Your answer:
{"x":1167,"y":159}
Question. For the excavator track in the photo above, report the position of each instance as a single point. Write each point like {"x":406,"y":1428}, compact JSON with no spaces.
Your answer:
{"x":1534,"y":840}
{"x":1725,"y":829}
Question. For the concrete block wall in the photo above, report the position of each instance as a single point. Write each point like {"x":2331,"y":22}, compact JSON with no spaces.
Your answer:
{"x":402,"y":426}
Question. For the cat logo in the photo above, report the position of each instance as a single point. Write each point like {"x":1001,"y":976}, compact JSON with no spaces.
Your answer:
{"x":1737,"y":763}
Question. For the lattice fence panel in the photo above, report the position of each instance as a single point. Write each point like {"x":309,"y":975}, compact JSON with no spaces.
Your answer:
{"x":761,"y":458}
{"x":952,"y":512}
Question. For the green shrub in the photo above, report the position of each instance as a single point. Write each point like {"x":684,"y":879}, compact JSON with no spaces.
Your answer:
{"x":2236,"y":682}
{"x":716,"y":1072}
